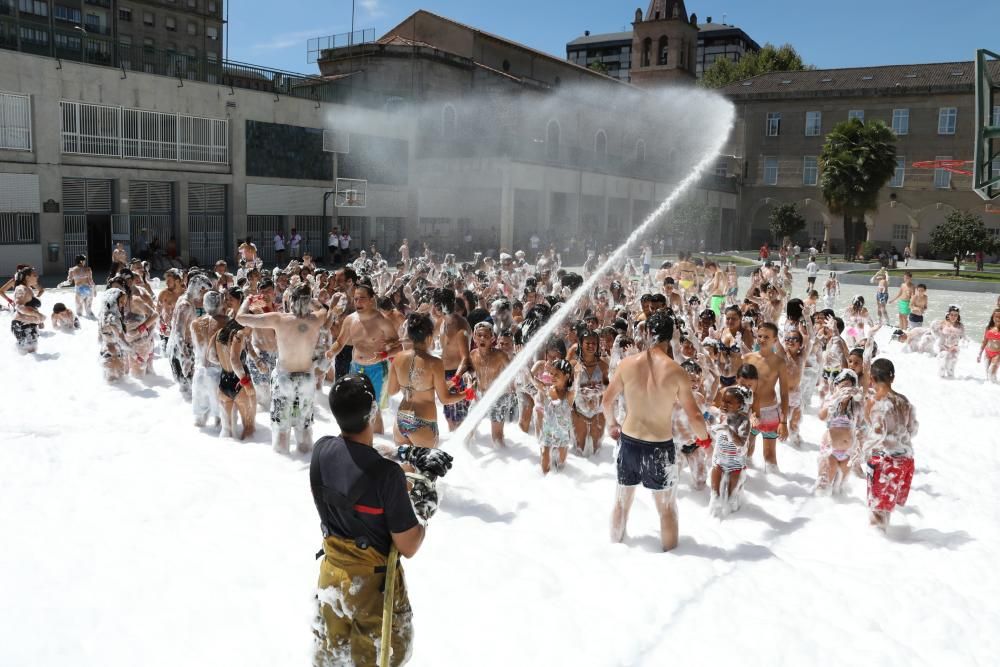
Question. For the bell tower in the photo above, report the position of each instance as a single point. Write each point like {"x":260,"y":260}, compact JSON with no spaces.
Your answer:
{"x":664,"y":44}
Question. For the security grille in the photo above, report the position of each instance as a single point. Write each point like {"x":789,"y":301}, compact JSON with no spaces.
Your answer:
{"x":261,"y":229}
{"x":18,"y":228}
{"x":108,"y":131}
{"x":15,"y":122}
{"x":207,"y":222}
{"x":83,"y":195}
{"x":310,"y":228}
{"x":74,"y":237}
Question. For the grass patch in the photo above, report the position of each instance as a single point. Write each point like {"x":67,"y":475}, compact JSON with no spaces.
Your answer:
{"x":723,"y":260}
{"x":938,"y":274}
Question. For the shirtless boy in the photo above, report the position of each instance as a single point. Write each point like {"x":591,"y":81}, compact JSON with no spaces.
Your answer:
{"x":903,"y":296}
{"x":652,"y":384}
{"x":918,"y":306}
{"x":292,"y":384}
{"x":453,"y":334}
{"x":374,"y":340}
{"x":486,"y":363}
{"x":770,"y":412}
{"x":205,"y":383}
{"x":263,"y":348}
{"x":83,"y":284}
{"x":166,"y":300}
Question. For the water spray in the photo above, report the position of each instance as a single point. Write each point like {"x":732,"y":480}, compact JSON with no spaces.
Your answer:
{"x":527,"y":354}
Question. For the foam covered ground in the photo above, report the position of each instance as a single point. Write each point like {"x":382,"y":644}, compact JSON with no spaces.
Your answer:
{"x":130,"y":537}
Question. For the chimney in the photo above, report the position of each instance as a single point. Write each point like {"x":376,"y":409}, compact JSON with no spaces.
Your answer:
{"x":586,"y":33}
{"x":709,"y":19}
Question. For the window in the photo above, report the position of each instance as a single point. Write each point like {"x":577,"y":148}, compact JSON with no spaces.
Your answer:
{"x":722,"y":167}
{"x":148,"y":18}
{"x":15,"y":122}
{"x":601,"y":144}
{"x":899,"y":176}
{"x":212,"y":8}
{"x":663,"y":52}
{"x":125,"y":40}
{"x":996,"y":116}
{"x":37,"y":7}
{"x":193,"y":4}
{"x":640,"y":151}
{"x":810,"y":170}
{"x":647,"y":46}
{"x":67,"y":42}
{"x":942,"y":177}
{"x":192,"y":28}
{"x":900,"y":232}
{"x":552,"y":140}
{"x":66,"y":14}
{"x":170,"y":23}
{"x":856,"y":113}
{"x":212,"y":33}
{"x":947,"y":119}
{"x":773,"y":123}
{"x":814,"y":123}
{"x":34,"y":36}
{"x":125,"y":14}
{"x":901,"y":121}
{"x":770,"y":171}
{"x":93,"y":129}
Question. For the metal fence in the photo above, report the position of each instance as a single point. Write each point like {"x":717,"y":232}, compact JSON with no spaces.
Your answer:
{"x":18,"y":228}
{"x":261,"y":228}
{"x":310,"y":228}
{"x":207,"y":234}
{"x":316,"y":45}
{"x":74,"y":237}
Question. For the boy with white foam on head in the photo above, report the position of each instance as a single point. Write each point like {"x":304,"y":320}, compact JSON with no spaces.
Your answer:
{"x":205,"y":381}
{"x":729,"y":432}
{"x":292,"y":382}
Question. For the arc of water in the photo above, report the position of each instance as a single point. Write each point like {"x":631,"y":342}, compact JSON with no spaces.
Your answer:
{"x":527,"y":354}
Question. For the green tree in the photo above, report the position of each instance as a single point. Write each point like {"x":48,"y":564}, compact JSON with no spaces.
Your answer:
{"x":962,"y":232}
{"x":599,"y":67}
{"x":771,"y":58}
{"x":688,"y":224}
{"x":857,"y":160}
{"x":786,"y":222}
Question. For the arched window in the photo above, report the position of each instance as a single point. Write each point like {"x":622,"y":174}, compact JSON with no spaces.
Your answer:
{"x":601,"y":144}
{"x":640,"y":151}
{"x":647,"y":46}
{"x":449,"y":121}
{"x":552,"y":132}
{"x":683,"y":51}
{"x":662,"y":52}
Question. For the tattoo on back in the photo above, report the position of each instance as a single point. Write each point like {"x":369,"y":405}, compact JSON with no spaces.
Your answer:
{"x":303,"y":328}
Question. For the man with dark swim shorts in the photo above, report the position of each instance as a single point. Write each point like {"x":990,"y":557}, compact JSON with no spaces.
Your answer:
{"x":652,"y":384}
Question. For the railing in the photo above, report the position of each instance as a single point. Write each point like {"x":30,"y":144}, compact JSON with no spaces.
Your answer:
{"x":316,"y":45}
{"x":138,"y":58}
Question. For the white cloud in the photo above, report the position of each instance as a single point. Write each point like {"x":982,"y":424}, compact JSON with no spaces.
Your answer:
{"x":287,"y":40}
{"x":373,"y":8}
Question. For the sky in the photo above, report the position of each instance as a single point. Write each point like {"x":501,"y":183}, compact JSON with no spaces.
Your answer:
{"x":847,"y":33}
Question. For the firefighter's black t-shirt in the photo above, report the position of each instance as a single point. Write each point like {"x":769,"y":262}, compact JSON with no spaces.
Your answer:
{"x":384,"y":504}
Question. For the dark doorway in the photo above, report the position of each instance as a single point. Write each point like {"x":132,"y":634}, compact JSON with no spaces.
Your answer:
{"x":99,"y":241}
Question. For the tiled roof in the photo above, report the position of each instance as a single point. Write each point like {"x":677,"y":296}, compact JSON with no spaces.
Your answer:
{"x":959,"y":75}
{"x":605,"y":37}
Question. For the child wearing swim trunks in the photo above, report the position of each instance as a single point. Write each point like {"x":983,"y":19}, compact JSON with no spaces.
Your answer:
{"x":486,"y":364}
{"x":695,"y":457}
{"x":729,"y":432}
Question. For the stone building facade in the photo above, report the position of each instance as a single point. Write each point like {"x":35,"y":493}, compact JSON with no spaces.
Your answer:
{"x":782,"y":122}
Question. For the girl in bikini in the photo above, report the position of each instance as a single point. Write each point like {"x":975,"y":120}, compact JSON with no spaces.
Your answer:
{"x":591,"y":381}
{"x":857,"y":319}
{"x":420,"y":376}
{"x":991,"y":346}
{"x":842,"y":411}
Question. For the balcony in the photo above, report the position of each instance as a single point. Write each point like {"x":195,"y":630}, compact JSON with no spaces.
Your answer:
{"x":98,"y":3}
{"x":97,"y":29}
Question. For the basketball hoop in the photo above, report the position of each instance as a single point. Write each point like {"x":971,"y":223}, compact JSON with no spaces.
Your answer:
{"x":954,"y":166}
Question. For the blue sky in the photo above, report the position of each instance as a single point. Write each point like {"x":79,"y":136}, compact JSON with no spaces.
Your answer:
{"x":828,"y":34}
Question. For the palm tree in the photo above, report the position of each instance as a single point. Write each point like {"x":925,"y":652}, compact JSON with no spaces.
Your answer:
{"x":858,"y":159}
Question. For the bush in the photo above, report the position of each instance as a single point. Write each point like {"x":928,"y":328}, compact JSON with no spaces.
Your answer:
{"x":869,"y":250}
